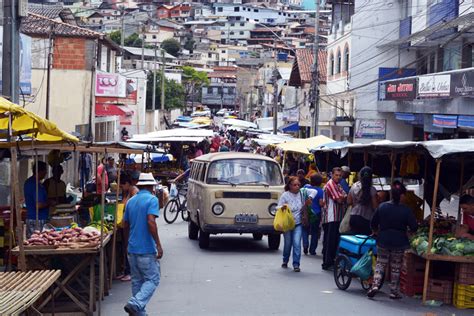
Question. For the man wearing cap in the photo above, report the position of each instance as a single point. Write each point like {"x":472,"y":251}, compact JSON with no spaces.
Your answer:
{"x":144,"y":246}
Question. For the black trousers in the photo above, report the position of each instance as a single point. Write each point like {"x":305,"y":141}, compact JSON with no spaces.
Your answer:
{"x":330,"y":243}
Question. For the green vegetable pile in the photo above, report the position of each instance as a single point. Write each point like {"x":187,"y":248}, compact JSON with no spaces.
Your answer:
{"x":442,"y":244}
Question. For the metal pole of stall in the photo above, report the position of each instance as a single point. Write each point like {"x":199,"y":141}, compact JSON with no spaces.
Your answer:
{"x":461,"y":182}
{"x":114,"y":236}
{"x":37,"y":190}
{"x":102,"y":214}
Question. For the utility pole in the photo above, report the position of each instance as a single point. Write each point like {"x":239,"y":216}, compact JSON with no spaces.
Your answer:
{"x":163,"y":65}
{"x":153,"y":97}
{"x":11,"y":51}
{"x":314,"y":107}
{"x":275,"y":91}
{"x":143,"y":46}
{"x":48,"y":71}
{"x":122,"y":34}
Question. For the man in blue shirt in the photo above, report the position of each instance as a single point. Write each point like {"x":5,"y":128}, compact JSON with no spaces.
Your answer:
{"x":35,"y":199}
{"x":315,"y":216}
{"x":144,"y":246}
{"x":346,"y":172}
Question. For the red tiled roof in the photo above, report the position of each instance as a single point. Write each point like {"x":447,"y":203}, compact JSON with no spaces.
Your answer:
{"x":225,"y":68}
{"x":35,"y":24}
{"x":304,"y":62}
{"x":225,"y":75}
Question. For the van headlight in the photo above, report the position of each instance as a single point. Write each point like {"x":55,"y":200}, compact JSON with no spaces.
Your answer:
{"x":272,"y":209}
{"x":218,"y":208}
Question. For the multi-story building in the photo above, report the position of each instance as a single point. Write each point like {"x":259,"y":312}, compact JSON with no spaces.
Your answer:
{"x":416,"y":79}
{"x":236,"y":30}
{"x":249,"y":12}
{"x":222,"y":89}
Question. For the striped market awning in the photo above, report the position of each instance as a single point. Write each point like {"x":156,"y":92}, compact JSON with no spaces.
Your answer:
{"x":445,"y":121}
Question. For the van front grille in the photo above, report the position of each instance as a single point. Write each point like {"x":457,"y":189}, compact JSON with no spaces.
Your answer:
{"x":247,"y":195}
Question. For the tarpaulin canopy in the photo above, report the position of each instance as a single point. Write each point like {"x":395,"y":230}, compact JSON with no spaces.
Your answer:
{"x":29,"y":125}
{"x":240,"y":123}
{"x":172,"y":133}
{"x":304,"y":145}
{"x":154,"y":157}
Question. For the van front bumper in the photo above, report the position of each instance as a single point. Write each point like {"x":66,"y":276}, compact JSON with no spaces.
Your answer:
{"x":247,"y":228}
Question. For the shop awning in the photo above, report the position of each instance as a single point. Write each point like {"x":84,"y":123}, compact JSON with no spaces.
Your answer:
{"x":445,"y":121}
{"x":27,"y":124}
{"x":105,"y":109}
{"x":408,"y":117}
{"x":466,"y":121}
{"x":290,"y":128}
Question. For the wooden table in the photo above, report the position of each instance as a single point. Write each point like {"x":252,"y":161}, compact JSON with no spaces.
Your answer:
{"x":20,"y":290}
{"x":77,"y":260}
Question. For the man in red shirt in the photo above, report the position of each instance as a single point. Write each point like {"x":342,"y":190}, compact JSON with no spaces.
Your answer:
{"x":466,"y":230}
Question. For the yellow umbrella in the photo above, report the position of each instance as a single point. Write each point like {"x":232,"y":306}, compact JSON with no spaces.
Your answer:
{"x":202,"y":120}
{"x":302,"y":145}
{"x":26,"y":123}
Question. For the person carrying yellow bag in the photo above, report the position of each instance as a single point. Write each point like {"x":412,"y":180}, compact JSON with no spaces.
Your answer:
{"x":297,"y":200}
{"x":284,"y":220}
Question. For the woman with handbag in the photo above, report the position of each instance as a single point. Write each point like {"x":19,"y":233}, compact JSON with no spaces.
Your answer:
{"x":293,"y":197}
{"x":363,"y":199}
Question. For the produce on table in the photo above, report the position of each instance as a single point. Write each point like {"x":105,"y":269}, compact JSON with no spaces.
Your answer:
{"x":442,"y":244}
{"x":64,"y":237}
{"x":107,"y":226}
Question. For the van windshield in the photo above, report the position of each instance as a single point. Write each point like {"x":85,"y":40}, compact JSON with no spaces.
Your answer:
{"x":244,"y":172}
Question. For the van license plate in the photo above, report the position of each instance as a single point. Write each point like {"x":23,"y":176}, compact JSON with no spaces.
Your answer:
{"x":246,"y":218}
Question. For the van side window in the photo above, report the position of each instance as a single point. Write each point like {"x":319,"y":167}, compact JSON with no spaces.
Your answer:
{"x":193,"y":171}
{"x":203,"y":172}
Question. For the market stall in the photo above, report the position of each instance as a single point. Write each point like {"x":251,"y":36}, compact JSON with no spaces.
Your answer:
{"x":441,"y":266}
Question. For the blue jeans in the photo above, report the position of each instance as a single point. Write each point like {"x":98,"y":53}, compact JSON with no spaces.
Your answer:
{"x":293,"y":240}
{"x":145,"y":273}
{"x":312,"y":230}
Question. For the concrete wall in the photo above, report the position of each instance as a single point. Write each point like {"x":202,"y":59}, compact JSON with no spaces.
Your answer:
{"x":370,"y":30}
{"x":253,"y":13}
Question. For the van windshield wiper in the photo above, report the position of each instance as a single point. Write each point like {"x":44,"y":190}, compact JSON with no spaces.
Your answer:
{"x":265,"y":184}
{"x":226,"y":181}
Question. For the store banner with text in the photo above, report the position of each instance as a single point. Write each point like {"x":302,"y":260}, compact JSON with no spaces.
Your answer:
{"x":462,"y":84}
{"x":403,"y":90}
{"x":434,"y":86}
{"x":373,"y":129}
{"x":110,"y":85}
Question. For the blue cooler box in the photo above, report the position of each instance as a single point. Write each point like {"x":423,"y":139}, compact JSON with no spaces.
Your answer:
{"x":350,"y":245}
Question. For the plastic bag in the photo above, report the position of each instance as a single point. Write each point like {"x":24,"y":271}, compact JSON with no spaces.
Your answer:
{"x":345,"y":226}
{"x":363,"y":267}
{"x":173,"y":190}
{"x":284,"y":220}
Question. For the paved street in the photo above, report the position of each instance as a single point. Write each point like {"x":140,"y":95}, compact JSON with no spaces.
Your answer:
{"x":240,"y":276}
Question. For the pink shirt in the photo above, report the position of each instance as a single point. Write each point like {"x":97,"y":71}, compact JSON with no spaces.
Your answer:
{"x":99,"y":178}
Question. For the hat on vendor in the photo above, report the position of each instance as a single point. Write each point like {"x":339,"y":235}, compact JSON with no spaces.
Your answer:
{"x":146,"y":179}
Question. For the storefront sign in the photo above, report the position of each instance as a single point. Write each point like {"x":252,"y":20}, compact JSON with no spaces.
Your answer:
{"x":462,"y":84}
{"x":434,"y":86}
{"x":373,"y":129}
{"x":110,"y":85}
{"x":400,"y":90}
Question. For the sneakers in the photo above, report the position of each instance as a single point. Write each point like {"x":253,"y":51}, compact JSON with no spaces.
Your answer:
{"x":130,"y":309}
{"x":371,"y":293}
{"x":296,"y":269}
{"x":284,"y":265}
{"x":395,"y":296}
{"x":126,"y":278}
{"x":305,"y":250}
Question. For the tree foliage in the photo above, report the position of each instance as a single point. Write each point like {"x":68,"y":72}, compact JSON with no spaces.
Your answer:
{"x":133,"y":40}
{"x":193,"y":81}
{"x":174,"y":93}
{"x":171,"y":46}
{"x":189,"y":45}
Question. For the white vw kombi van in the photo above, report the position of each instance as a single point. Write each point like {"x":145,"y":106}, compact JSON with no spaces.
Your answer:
{"x":233,"y":192}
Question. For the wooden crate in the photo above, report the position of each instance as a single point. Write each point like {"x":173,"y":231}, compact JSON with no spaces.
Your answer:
{"x":464,"y":273}
{"x":440,"y":290}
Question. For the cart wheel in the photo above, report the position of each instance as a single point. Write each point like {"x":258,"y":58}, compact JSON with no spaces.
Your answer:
{"x":342,"y":272}
{"x":171,"y":211}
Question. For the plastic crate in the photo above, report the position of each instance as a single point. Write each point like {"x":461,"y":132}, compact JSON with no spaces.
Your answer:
{"x":440,"y":290}
{"x":410,"y":285}
{"x":412,"y":280}
{"x":463,"y":296}
{"x":464,"y":273}
{"x":413,"y":265}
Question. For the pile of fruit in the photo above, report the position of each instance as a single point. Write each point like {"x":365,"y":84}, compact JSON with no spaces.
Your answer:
{"x":108,"y":226}
{"x":65,"y":237}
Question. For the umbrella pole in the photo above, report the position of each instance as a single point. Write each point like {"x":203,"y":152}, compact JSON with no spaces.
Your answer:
{"x":37,"y":190}
{"x":430,"y":233}
{"x":425,"y":176}
{"x":101,"y":259}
